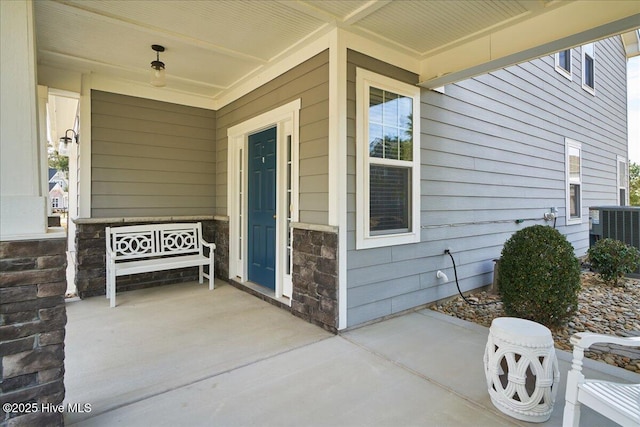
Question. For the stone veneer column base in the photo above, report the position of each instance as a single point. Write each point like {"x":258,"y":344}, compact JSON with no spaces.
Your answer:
{"x":32,"y":328}
{"x":315,"y":275}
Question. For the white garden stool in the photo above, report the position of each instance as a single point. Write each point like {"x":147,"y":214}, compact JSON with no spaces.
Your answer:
{"x":521,"y":368}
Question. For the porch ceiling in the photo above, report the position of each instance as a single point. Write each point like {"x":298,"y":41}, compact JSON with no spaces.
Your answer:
{"x":215,"y":46}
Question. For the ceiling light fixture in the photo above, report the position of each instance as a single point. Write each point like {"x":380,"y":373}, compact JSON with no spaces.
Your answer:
{"x":158,"y":77}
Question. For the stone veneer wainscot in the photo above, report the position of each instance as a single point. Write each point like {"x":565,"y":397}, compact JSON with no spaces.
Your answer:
{"x":32,"y":327}
{"x":315,"y":275}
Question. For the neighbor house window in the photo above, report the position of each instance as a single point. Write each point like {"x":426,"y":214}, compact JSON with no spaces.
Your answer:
{"x":623,"y":180}
{"x":563,"y":63}
{"x":55,"y":203}
{"x":588,"y":68}
{"x":573,"y":166}
{"x":388,"y":161}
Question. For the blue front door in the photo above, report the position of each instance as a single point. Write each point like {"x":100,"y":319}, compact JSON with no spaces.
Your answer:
{"x":262,"y":208}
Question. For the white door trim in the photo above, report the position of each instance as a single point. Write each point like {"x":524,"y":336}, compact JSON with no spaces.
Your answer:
{"x":286,"y":120}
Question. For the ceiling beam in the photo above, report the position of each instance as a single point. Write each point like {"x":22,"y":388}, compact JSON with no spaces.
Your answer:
{"x":563,"y":27}
{"x":364,"y":11}
{"x":631,"y":42}
{"x":309,"y":9}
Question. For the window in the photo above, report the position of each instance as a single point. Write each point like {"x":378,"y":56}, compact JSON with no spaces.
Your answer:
{"x":588,"y":68}
{"x":623,"y":180}
{"x":55,"y":202}
{"x":573,"y":166}
{"x":563,"y":63}
{"x":388,"y":161}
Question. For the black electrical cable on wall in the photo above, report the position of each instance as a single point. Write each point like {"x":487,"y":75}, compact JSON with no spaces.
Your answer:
{"x":455,"y":272}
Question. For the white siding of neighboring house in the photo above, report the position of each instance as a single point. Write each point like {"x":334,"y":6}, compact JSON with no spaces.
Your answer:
{"x":493,"y":152}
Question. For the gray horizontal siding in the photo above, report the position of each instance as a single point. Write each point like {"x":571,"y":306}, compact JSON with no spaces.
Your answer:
{"x":150,"y":158}
{"x":492,"y":152}
{"x":308,"y":81}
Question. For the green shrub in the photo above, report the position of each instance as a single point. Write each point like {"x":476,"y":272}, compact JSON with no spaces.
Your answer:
{"x":612,"y":259}
{"x":539,"y":276}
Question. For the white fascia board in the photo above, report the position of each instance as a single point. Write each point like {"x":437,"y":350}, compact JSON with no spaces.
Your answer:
{"x":565,"y":26}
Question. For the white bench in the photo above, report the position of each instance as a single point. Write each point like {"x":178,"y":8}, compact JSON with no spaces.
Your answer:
{"x":616,"y":401}
{"x":155,"y":247}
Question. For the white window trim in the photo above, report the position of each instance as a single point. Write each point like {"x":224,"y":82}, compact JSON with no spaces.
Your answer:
{"x":565,"y":73}
{"x":569,"y":143}
{"x":364,"y":80}
{"x":590,"y":46}
{"x":286,"y":118}
{"x":621,"y":159}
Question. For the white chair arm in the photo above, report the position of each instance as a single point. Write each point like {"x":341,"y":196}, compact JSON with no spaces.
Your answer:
{"x":585,"y":340}
{"x":211,"y":246}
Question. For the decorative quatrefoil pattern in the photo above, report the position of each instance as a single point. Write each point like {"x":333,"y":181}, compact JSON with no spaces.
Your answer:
{"x":179,"y":240}
{"x":135,"y":244}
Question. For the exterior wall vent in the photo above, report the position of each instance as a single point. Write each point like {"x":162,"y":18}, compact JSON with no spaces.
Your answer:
{"x":615,"y":222}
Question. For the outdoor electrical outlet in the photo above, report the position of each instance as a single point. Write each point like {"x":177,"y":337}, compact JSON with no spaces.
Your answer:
{"x":551,"y":215}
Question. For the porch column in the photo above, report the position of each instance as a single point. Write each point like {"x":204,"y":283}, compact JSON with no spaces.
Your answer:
{"x":23,"y":206}
{"x":32,"y":257}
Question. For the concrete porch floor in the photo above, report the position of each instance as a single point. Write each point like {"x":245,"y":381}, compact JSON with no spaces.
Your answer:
{"x":181,"y":355}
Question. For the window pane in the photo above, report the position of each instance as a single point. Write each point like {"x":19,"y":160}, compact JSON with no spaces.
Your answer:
{"x":390,"y":109}
{"x":623,"y":197}
{"x":406,"y":148}
{"x":376,"y":140}
{"x":574,"y":201}
{"x":391,"y":143}
{"x":405,"y":113}
{"x":588,"y":71}
{"x":389,"y":192}
{"x":622,"y":174}
{"x":574,"y":164}
{"x":564,"y":59}
{"x":376,"y":98}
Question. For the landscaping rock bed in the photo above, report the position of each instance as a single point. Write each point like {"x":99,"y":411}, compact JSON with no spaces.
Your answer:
{"x":601,"y":309}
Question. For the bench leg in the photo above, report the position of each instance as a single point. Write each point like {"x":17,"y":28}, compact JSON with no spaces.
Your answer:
{"x":212,"y":275}
{"x":571,"y":416}
{"x":106,"y":284}
{"x":112,"y":290}
{"x":200,"y":274}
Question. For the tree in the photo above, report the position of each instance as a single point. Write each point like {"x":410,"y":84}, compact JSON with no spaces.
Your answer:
{"x":634,"y":184}
{"x":58,"y":162}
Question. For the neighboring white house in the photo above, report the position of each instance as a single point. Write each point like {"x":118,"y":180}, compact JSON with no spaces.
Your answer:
{"x":58,"y":191}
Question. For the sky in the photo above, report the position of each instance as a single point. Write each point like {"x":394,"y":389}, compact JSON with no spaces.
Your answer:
{"x":633,"y":108}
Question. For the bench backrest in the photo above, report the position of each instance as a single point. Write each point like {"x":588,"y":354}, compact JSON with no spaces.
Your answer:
{"x":154,"y":240}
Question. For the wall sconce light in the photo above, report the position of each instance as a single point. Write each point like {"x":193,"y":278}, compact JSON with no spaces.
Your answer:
{"x":158,"y":77}
{"x":63,"y":148}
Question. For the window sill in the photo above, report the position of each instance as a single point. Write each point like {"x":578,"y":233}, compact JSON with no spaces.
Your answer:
{"x":388,"y":240}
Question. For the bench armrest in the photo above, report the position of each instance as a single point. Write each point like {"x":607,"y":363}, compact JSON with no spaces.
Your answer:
{"x":585,"y":340}
{"x":211,"y":246}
